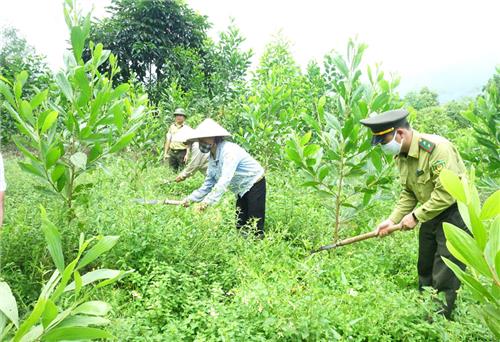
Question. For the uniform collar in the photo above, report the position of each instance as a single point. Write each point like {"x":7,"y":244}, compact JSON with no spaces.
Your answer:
{"x":413,"y":152}
{"x":178,"y":125}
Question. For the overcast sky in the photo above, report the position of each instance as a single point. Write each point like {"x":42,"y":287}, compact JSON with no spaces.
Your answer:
{"x":450,"y":46}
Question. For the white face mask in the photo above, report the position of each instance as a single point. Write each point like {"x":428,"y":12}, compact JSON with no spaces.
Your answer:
{"x":393,"y":147}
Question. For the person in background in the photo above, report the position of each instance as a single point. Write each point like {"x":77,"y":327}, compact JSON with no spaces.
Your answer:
{"x":230,"y":167}
{"x":198,"y":161}
{"x":3,"y":187}
{"x":420,"y":159}
{"x":177,"y":153}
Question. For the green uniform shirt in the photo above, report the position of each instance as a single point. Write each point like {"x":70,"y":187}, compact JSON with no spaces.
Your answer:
{"x":173,"y":130}
{"x":419,"y":177}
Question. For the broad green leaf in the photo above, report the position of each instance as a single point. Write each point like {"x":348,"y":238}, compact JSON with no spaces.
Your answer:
{"x":32,"y":169}
{"x":58,"y":172}
{"x":3,"y":322}
{"x":51,"y":312}
{"x":77,"y":41}
{"x":39,"y":98}
{"x":64,"y":86}
{"x":24,"y":150}
{"x":464,"y":212}
{"x":107,"y":282}
{"x":104,"y":245}
{"x":376,"y":159}
{"x":491,"y":206}
{"x":79,"y":159}
{"x":379,"y":101}
{"x":49,"y":286}
{"x":479,"y":290}
{"x":8,"y":304}
{"x":492,"y":248}
{"x":332,"y":121}
{"x":497,"y":265}
{"x":311,"y":150}
{"x":22,"y":77}
{"x":66,"y":276}
{"x":19,"y":83}
{"x":83,"y":321}
{"x":78,"y":282}
{"x":84,"y":86}
{"x":50,"y":119}
{"x":323,"y":172}
{"x":123,"y":142}
{"x":23,"y":126}
{"x":93,"y":308}
{"x":306,"y":138}
{"x":321,"y":106}
{"x":33,"y":334}
{"x":5,"y":91}
{"x":94,"y":153}
{"x":348,"y":127}
{"x":26,"y":111}
{"x":478,"y":231}
{"x":293,"y":155}
{"x":76,"y":333}
{"x":52,"y":156}
{"x":120,"y":90}
{"x":490,"y":314}
{"x":95,"y":275}
{"x":53,"y":238}
{"x":62,"y":181}
{"x":341,"y":65}
{"x":117,"y":109}
{"x":452,"y":184}
{"x":32,"y":318}
{"x":465,"y":249}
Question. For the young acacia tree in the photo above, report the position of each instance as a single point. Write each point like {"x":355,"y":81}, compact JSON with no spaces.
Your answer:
{"x":63,"y":310}
{"x":481,"y":251}
{"x":336,"y":155}
{"x":67,"y":134}
{"x":484,"y":117}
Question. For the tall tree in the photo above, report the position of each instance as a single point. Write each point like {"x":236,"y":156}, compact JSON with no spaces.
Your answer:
{"x":422,"y":99}
{"x":17,"y":55}
{"x":151,"y":38}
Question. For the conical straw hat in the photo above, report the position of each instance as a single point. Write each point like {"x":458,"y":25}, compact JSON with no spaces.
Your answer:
{"x":208,"y":128}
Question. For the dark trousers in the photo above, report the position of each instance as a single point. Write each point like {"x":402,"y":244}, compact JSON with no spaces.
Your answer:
{"x":432,"y":271}
{"x":176,"y":159}
{"x":252,"y":206}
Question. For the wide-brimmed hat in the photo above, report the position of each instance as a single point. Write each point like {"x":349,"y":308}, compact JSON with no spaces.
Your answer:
{"x":179,"y":111}
{"x":207,"y":129}
{"x":183,"y":134}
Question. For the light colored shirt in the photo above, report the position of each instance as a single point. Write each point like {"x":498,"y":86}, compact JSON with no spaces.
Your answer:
{"x":231,"y":168}
{"x":173,"y":130}
{"x":3,"y":185}
{"x":419,"y":176}
{"x":197,"y":162}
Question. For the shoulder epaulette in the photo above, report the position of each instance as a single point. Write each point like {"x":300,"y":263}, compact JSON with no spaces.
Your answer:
{"x":426,"y":145}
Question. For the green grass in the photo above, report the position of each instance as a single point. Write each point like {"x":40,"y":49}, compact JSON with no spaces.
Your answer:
{"x":197,"y":279}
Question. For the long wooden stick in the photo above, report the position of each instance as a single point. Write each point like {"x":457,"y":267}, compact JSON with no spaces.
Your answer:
{"x":356,"y":238}
{"x":155,"y":201}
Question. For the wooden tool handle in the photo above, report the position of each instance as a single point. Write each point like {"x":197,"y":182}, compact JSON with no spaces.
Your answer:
{"x":365,"y":236}
{"x":172,"y":202}
{"x":356,"y":238}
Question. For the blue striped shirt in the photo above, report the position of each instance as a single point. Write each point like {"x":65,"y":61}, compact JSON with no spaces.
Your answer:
{"x":231,"y":168}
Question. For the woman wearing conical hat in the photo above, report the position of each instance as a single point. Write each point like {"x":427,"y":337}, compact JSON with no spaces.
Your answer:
{"x":198,"y":161}
{"x":229,"y":167}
